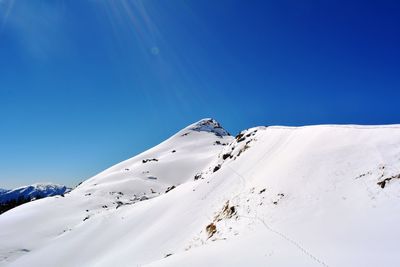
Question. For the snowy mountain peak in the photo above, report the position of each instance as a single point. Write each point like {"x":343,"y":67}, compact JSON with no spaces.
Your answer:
{"x":209,"y":125}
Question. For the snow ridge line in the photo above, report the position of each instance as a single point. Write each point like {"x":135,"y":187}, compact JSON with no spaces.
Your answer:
{"x":344,"y":126}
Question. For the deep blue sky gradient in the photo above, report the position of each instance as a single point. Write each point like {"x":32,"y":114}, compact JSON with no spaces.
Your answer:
{"x":86,"y":84}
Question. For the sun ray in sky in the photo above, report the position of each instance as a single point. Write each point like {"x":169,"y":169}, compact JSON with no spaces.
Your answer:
{"x":140,"y":17}
{"x":6,"y":8}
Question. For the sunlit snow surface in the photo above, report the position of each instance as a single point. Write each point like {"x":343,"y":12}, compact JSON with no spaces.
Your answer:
{"x":276,"y":196}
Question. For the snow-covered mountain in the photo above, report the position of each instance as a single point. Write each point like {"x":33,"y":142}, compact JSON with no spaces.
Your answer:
{"x":34,"y":191}
{"x":323,"y":195}
{"x":15,"y":197}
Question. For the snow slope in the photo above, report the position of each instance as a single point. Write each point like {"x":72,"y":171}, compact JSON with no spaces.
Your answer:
{"x":323,"y":195}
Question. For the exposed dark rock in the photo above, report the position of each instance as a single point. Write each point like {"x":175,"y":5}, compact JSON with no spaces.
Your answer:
{"x":119,"y":204}
{"x":211,"y":229}
{"x":240,"y":137}
{"x":383,"y":183}
{"x":198,"y":176}
{"x":225,"y":156}
{"x":226,"y":213}
{"x":170,"y":188}
{"x":148,"y":160}
{"x":216,"y":168}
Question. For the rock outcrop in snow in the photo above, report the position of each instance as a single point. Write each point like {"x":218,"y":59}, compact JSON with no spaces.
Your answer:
{"x":323,"y":195}
{"x":209,"y":125}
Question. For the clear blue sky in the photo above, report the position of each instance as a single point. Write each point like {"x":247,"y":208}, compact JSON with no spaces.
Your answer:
{"x":85,"y":84}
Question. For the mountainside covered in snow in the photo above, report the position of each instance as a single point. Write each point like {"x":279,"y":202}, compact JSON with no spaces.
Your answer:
{"x":323,"y":195}
{"x":15,"y":197}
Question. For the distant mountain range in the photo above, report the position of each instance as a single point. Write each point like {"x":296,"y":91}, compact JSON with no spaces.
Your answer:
{"x":15,"y":197}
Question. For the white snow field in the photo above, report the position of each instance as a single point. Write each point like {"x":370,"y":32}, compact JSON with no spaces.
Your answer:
{"x":325,"y":195}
